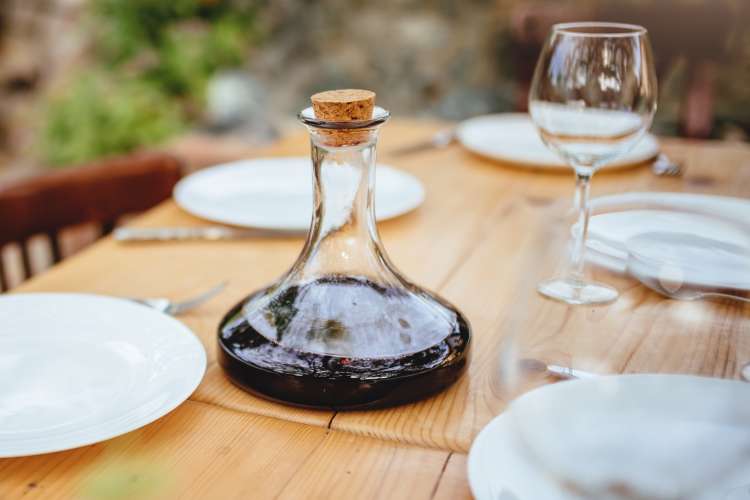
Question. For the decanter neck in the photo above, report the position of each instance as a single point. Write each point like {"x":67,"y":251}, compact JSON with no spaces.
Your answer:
{"x":343,"y":237}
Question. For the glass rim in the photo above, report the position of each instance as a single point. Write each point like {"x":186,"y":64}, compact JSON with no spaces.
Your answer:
{"x":379,"y":116}
{"x":625,"y":29}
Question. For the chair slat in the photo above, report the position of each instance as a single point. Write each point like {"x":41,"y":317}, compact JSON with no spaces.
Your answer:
{"x":26,"y":258}
{"x":3,"y":278}
{"x":99,"y":193}
{"x":54,"y":245}
{"x":108,"y":227}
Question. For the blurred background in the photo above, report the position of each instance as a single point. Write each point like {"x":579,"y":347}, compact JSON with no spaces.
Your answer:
{"x":85,"y":79}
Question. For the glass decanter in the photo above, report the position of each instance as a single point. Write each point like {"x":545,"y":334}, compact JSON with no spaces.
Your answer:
{"x":342,"y":328}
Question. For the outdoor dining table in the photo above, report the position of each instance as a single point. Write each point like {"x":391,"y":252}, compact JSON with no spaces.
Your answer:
{"x":466,"y":242}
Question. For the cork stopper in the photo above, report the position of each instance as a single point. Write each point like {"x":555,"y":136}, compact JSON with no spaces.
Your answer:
{"x":343,"y":106}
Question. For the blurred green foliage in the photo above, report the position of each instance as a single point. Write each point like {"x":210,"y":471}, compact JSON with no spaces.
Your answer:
{"x":151,"y":63}
{"x":125,"y":479}
{"x":98,"y":115}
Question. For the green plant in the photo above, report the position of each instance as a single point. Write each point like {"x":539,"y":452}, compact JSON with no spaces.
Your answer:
{"x":151,"y":61}
{"x":97,"y":116}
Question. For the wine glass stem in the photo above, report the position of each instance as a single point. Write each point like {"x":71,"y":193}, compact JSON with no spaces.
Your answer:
{"x":578,"y":258}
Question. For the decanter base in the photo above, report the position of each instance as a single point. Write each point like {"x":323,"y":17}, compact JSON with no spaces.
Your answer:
{"x":314,"y":380}
{"x":360,"y":394}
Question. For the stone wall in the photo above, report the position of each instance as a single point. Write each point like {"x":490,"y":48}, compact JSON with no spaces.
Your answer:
{"x":38,"y":40}
{"x":450,"y":59}
{"x":421,"y":57}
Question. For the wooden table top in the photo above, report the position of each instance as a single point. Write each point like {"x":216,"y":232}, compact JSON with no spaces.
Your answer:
{"x":473,"y":242}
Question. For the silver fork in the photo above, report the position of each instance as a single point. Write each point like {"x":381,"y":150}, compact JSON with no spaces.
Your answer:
{"x":664,"y":167}
{"x":166,"y":306}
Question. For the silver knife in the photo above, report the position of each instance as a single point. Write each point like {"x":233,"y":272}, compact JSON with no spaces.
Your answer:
{"x":210,"y":233}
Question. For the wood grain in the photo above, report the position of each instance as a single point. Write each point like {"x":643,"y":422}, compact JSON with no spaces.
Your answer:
{"x":494,"y":285}
{"x":453,"y":484}
{"x":200,"y":451}
{"x":178,"y":271}
{"x":485,"y":235}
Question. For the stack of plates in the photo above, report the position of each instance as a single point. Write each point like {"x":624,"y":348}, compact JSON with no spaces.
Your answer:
{"x":719,"y":219}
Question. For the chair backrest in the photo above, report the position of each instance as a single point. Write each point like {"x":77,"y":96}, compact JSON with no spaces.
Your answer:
{"x":98,"y":193}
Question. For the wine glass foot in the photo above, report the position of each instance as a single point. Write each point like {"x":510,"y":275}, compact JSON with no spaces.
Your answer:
{"x":577,"y":292}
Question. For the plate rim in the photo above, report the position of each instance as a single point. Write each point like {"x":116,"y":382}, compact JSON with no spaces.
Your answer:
{"x":473,"y":467}
{"x":652,"y":201}
{"x":553,"y":167}
{"x":70,"y":439}
{"x":664,"y":235}
{"x":180,"y":196}
{"x":472,"y":462}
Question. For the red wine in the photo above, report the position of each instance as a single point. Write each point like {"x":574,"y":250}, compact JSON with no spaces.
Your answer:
{"x":344,"y":343}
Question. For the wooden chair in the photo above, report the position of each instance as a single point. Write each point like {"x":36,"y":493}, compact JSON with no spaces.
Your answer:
{"x":99,"y":193}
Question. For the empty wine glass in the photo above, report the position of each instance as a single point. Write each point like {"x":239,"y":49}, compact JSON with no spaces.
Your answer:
{"x":592,"y":98}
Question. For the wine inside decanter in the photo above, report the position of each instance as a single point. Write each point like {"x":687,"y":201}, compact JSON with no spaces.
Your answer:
{"x":342,"y":328}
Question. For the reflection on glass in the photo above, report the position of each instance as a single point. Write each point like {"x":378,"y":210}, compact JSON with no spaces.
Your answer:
{"x":592,"y":98}
{"x":639,"y":401}
{"x":343,"y":328}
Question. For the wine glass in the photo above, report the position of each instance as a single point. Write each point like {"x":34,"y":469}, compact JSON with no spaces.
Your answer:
{"x":592,"y":98}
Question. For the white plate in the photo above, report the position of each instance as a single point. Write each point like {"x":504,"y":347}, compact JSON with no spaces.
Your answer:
{"x":721,"y":218}
{"x":677,"y":260}
{"x":659,"y":416}
{"x":512,"y":137}
{"x":276,"y":193}
{"x":497,"y":466}
{"x":79,"y":369}
{"x":730,"y":208}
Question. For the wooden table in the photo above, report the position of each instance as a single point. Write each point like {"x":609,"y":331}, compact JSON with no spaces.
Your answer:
{"x":474,"y":241}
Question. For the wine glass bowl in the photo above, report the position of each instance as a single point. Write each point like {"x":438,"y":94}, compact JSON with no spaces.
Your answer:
{"x":592,"y":98}
{"x":584,"y":137}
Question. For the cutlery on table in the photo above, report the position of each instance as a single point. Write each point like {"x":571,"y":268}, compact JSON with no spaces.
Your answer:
{"x":685,"y":293}
{"x":167,"y":306}
{"x":209,"y":233}
{"x":439,"y":140}
{"x":663,"y":166}
{"x":686,"y":266}
{"x":539,"y":367}
{"x":655,"y":283}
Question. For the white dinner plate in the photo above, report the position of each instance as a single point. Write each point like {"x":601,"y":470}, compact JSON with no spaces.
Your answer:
{"x":78,"y":369}
{"x":680,"y":425}
{"x":276,"y":193}
{"x":678,"y":260}
{"x":720,"y":218}
{"x":512,"y":137}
